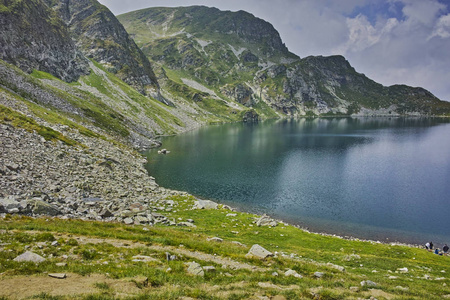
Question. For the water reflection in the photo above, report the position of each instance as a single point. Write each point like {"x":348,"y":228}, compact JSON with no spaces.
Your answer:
{"x":371,"y":176}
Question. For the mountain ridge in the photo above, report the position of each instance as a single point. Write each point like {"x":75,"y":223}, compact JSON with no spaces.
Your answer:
{"x":245,"y":72}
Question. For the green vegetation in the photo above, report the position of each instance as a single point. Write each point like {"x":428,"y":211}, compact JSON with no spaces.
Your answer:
{"x":9,"y":116}
{"x":111,"y":248}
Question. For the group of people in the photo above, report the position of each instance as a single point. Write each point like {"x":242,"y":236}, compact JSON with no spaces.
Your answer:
{"x":429,"y":247}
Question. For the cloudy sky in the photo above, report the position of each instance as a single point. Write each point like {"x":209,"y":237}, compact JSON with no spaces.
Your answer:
{"x":391,"y":41}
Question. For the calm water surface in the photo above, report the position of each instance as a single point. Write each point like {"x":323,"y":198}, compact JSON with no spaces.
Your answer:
{"x":377,"y":178}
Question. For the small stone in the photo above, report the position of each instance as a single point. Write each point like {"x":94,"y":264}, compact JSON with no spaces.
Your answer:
{"x":205,"y":204}
{"x":274,"y":274}
{"x":186,"y":224}
{"x":61,"y":264}
{"x":265,"y":220}
{"x":319,"y":274}
{"x":141,"y":280}
{"x":268,"y":285}
{"x":292,"y":273}
{"x":128,"y":221}
{"x":399,"y":287}
{"x":215,"y":239}
{"x":58,"y":275}
{"x":105,"y":213}
{"x":209,"y":269}
{"x":337,"y":267}
{"x":368,"y":283}
{"x":195,"y":269}
{"x":55,"y":243}
{"x":143,"y":258}
{"x":354,"y":289}
{"x":258,"y":252}
{"x":403,"y":270}
{"x":170,"y":257}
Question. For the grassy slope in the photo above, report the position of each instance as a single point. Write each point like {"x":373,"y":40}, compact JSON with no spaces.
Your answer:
{"x":107,"y":103}
{"x":306,"y":253}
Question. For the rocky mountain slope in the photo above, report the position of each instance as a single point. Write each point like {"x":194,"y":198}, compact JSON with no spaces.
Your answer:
{"x":73,"y":60}
{"x":242,"y":59}
{"x":101,"y":37}
{"x":33,"y":37}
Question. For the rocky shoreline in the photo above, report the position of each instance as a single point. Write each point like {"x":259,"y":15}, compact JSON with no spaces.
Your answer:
{"x":95,"y":181}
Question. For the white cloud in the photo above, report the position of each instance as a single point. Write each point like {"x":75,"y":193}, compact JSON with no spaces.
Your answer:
{"x":442,"y":28}
{"x":423,"y":11}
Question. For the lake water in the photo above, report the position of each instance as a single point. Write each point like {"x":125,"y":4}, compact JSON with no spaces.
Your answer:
{"x":375,"y":178}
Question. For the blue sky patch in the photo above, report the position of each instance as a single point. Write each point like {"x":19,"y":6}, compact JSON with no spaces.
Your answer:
{"x":380,"y":9}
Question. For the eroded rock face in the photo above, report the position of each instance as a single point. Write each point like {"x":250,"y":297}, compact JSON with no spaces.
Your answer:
{"x":240,"y":93}
{"x":100,"y":36}
{"x":32,"y":36}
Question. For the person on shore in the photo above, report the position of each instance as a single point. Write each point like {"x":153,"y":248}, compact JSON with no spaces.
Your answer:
{"x":437,"y":251}
{"x":428,"y":246}
{"x":445,"y":248}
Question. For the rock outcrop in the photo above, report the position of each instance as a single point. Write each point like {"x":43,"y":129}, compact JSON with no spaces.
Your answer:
{"x":100,"y":36}
{"x":32,"y":36}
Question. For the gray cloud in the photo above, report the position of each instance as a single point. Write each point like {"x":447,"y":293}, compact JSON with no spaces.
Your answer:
{"x":411,"y":50}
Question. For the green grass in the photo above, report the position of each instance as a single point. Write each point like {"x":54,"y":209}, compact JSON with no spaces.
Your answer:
{"x":305,"y":252}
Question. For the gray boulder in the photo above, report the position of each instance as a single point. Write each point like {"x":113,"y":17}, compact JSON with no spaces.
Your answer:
{"x":292,"y":273}
{"x":265,"y":220}
{"x":368,"y":283}
{"x":9,"y":204}
{"x":215,"y":239}
{"x":205,"y":204}
{"x":40,"y":207}
{"x":195,"y":269}
{"x":128,"y":221}
{"x":29,"y":256}
{"x":258,"y":252}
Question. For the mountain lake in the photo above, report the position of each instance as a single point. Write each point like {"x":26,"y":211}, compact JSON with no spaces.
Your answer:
{"x":385,"y":179}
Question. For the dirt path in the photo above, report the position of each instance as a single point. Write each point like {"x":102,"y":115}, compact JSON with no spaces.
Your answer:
{"x":225,"y":262}
{"x":19,"y":287}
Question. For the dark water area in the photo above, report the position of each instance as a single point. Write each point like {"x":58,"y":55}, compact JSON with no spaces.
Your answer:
{"x":385,"y":179}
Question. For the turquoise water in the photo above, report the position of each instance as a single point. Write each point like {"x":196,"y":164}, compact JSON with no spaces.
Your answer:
{"x":377,"y":178}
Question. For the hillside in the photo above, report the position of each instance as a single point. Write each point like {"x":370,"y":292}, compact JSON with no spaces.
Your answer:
{"x":73,"y":60}
{"x":242,"y":58}
{"x":79,"y":97}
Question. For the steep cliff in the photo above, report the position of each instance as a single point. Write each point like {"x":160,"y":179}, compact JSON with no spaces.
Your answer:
{"x":32,"y":36}
{"x":100,"y":36}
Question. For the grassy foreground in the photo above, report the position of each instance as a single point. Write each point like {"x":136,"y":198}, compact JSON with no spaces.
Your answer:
{"x":114,"y":261}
